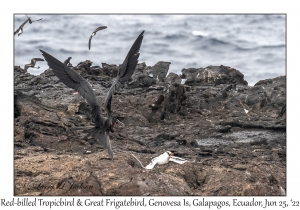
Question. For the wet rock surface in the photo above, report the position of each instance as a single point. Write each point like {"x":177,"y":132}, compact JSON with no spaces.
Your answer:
{"x":234,"y":137}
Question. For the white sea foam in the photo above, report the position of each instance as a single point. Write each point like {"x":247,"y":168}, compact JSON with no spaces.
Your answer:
{"x":199,"y":33}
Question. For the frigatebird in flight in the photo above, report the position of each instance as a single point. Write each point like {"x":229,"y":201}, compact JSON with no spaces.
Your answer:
{"x":20,"y":29}
{"x":94,"y":33}
{"x":103,"y":125}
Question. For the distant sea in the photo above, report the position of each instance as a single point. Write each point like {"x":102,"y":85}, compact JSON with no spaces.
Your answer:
{"x":253,"y":44}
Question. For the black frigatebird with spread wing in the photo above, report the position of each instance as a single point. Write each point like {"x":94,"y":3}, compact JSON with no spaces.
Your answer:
{"x":20,"y":29}
{"x":94,"y":33}
{"x":103,"y":125}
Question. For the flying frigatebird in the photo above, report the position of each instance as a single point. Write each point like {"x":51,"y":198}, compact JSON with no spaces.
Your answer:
{"x":20,"y":29}
{"x":94,"y":33}
{"x":103,"y":125}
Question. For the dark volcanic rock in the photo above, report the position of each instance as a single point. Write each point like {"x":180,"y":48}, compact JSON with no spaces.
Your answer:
{"x":176,"y":100}
{"x":110,"y":70}
{"x":141,"y":80}
{"x":213,"y":75}
{"x":159,"y":70}
{"x":173,"y":78}
{"x":84,"y":66}
{"x":234,"y":138}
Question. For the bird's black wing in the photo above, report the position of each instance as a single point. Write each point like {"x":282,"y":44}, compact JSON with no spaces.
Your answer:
{"x":38,"y":20}
{"x":131,"y":60}
{"x":16,"y":31}
{"x":102,"y":137}
{"x":97,"y":29}
{"x":24,"y":23}
{"x":74,"y":80}
{"x":27,"y":66}
{"x":90,"y":39}
{"x":33,"y":60}
{"x":100,"y":28}
{"x":21,"y":27}
{"x":126,"y":70}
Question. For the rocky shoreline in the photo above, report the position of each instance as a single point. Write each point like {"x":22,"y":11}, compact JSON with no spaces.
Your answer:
{"x":233,"y":135}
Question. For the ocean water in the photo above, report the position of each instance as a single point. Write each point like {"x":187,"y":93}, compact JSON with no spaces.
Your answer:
{"x":253,"y":44}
